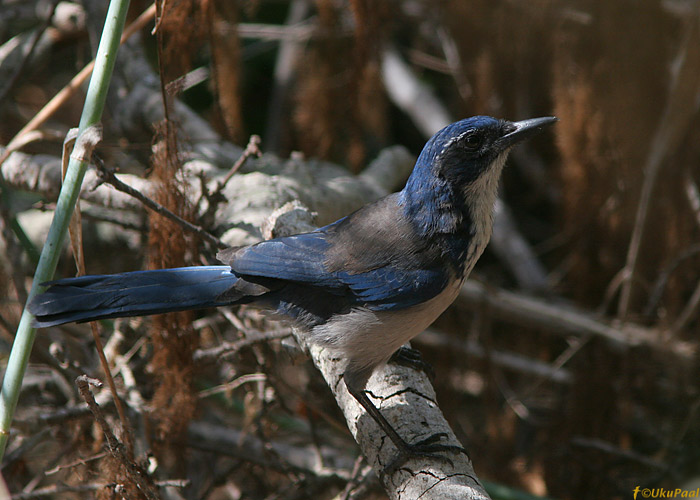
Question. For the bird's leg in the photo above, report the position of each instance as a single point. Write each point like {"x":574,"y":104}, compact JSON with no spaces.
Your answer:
{"x":411,"y":358}
{"x":425,"y":448}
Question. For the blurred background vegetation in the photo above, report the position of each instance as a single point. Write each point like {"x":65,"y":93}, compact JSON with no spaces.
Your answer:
{"x":609,"y":205}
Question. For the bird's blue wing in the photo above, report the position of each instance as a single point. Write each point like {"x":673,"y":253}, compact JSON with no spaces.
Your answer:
{"x":391,"y":288}
{"x":303,"y":259}
{"x":372,"y":258}
{"x":300,"y":258}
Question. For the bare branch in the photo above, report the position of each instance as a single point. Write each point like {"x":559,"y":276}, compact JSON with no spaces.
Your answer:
{"x":108,"y":176}
{"x":395,"y":390}
{"x":116,"y":448}
{"x":562,"y":319}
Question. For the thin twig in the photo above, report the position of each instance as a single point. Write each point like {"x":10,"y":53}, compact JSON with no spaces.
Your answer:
{"x":56,"y":489}
{"x":229,"y":386}
{"x":228,"y":349}
{"x":109,"y":177}
{"x":358,"y":475}
{"x":165,"y":98}
{"x":187,"y":81}
{"x":59,"y":416}
{"x":216,"y":197}
{"x":299,"y":32}
{"x":140,"y":477}
{"x":252,"y":149}
{"x":689,"y":311}
{"x":75,"y":463}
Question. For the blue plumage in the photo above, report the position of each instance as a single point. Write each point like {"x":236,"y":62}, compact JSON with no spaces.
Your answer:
{"x":388,"y":288}
{"x":363,"y":285}
{"x":136,"y":293}
{"x":298,"y":258}
{"x":303,"y":259}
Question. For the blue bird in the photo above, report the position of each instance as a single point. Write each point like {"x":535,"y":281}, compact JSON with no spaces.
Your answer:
{"x":363,"y":285}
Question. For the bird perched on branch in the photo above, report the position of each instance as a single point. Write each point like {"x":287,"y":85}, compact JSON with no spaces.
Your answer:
{"x":362,"y":286}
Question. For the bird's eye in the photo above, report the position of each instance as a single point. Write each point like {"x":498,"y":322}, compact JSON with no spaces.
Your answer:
{"x":472,"y":141}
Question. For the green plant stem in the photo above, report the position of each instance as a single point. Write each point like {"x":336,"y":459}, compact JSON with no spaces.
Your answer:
{"x":92,"y":113}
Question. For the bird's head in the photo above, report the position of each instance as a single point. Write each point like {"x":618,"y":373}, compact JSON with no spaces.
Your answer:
{"x":469,"y":149}
{"x":458,"y":170}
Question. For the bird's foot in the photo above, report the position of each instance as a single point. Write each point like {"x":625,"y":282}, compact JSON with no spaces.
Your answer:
{"x":426,"y":448}
{"x":412,"y":358}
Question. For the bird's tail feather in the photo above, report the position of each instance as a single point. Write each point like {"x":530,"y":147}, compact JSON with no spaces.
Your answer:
{"x":138,"y":293}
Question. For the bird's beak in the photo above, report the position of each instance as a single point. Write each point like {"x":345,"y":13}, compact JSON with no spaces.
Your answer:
{"x":519,"y":131}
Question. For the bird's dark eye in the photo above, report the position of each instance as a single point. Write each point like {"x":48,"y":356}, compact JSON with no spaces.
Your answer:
{"x":472,"y":141}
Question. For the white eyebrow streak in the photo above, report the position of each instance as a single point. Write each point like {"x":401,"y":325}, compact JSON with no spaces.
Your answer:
{"x":452,"y":140}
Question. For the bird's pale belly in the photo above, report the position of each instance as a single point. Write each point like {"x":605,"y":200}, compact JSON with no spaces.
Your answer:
{"x":368,"y":338}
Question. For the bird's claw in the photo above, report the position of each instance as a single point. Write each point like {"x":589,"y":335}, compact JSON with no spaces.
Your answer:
{"x":425,"y":448}
{"x":412,"y":358}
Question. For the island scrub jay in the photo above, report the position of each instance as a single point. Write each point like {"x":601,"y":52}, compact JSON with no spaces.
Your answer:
{"x":362,"y":286}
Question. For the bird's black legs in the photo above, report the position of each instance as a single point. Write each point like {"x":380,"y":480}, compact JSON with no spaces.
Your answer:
{"x":424,"y":448}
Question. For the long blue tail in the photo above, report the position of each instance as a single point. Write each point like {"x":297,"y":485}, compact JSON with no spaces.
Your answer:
{"x":138,"y":293}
